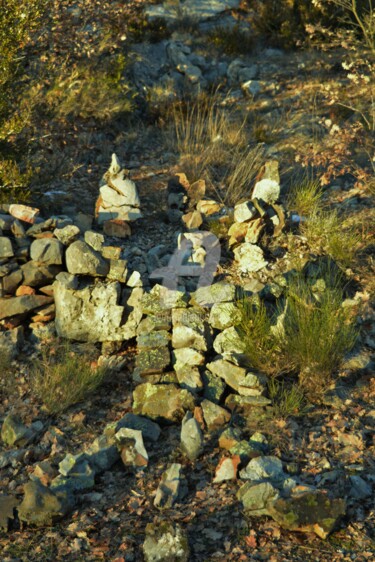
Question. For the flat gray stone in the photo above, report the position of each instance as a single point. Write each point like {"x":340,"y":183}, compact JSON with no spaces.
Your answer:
{"x":48,"y":251}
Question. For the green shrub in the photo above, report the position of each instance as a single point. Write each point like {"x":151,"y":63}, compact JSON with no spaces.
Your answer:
{"x":318,"y":330}
{"x":62,"y":378}
{"x":97,"y":91}
{"x":14,"y":184}
{"x":308,"y":334}
{"x":232,"y":41}
{"x":287,"y":399}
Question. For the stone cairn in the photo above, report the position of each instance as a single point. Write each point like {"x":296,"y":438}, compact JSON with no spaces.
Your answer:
{"x":190,"y":366}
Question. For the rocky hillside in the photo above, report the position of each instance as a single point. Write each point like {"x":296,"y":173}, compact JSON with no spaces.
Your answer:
{"x":186,"y":285}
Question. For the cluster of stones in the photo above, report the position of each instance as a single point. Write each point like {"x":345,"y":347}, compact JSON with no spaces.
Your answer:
{"x":190,"y":366}
{"x":252,"y":217}
{"x":63,"y":277}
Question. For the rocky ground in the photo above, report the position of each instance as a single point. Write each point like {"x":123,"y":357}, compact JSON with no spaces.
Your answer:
{"x":245,"y":482}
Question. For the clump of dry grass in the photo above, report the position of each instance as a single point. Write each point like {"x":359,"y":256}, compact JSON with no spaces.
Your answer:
{"x":304,"y":195}
{"x":212,"y":144}
{"x":62,"y":378}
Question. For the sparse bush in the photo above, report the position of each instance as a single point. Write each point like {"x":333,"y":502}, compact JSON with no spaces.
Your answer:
{"x":14,"y":184}
{"x":89,"y":91}
{"x":62,"y":378}
{"x":287,"y":399}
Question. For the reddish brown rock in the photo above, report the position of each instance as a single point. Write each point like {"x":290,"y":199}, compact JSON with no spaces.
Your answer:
{"x":25,"y":290}
{"x":24,"y":213}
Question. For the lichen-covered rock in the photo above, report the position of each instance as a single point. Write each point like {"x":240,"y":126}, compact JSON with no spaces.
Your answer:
{"x":42,"y":506}
{"x":310,"y":512}
{"x":165,"y":542}
{"x":249,"y":257}
{"x":267,"y":190}
{"x":256,"y":497}
{"x":191,"y":437}
{"x":162,"y":401}
{"x":215,"y":293}
{"x":234,"y":376}
{"x":37,"y":274}
{"x":224,"y":315}
{"x":6,"y":249}
{"x":151,"y":361}
{"x":244,"y":211}
{"x":150,"y":430}
{"x":84,"y":260}
{"x":14,"y":432}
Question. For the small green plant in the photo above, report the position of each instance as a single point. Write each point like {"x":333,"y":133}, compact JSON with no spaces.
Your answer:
{"x":62,"y":378}
{"x":260,"y":344}
{"x":287,"y":399}
{"x":305,"y":195}
{"x":318,"y":330}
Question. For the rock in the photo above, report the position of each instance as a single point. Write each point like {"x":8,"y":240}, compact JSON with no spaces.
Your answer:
{"x":252,"y":88}
{"x":153,"y":340}
{"x":82,"y":259}
{"x":310,"y":512}
{"x":195,"y":9}
{"x":77,"y":474}
{"x":192,"y":220}
{"x":263,"y":468}
{"x":229,"y":438}
{"x":208,"y":207}
{"x":224,"y":315}
{"x":228,"y":343}
{"x":189,"y":378}
{"x":7,"y":506}
{"x":131,"y":447}
{"x":24,"y":213}
{"x":6,"y":222}
{"x":22,"y":305}
{"x":246,"y":450}
{"x":42,"y":506}
{"x":163,"y":401}
{"x":37,"y":275}
{"x":118,"y":270}
{"x":11,"y":342}
{"x":227,"y":469}
{"x":247,"y":403}
{"x":150,"y":361}
{"x":237,"y":232}
{"x":48,"y":251}
{"x":95,"y":240}
{"x":254,"y":230}
{"x":191,"y":437}
{"x":171,"y":488}
{"x":215,"y":293}
{"x":150,"y":430}
{"x":155,"y":322}
{"x":214,"y":387}
{"x":93,"y":313}
{"x":187,"y":357}
{"x":6,"y":249}
{"x":214,"y":416}
{"x":186,"y":337}
{"x":257,"y":497}
{"x":161,"y":298}
{"x":118,"y":228}
{"x":244,"y":212}
{"x":248,"y":73}
{"x":15,"y":433}
{"x":68,"y":234}
{"x":360,"y":489}
{"x":249,"y":257}
{"x":12,"y":281}
{"x":165,"y":542}
{"x":267,"y":190}
{"x":234,"y":376}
